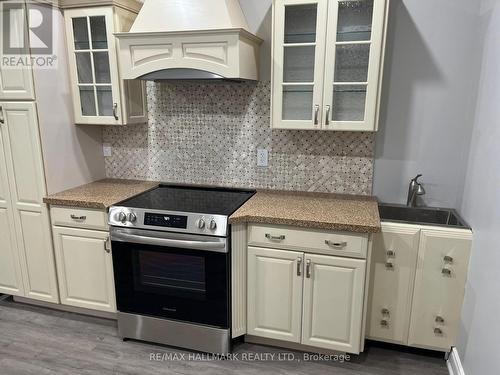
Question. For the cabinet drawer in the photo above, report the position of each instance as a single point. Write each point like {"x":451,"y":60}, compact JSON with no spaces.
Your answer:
{"x":79,"y":218}
{"x":308,"y":240}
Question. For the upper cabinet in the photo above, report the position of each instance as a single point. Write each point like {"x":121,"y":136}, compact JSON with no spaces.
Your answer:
{"x":327,"y":64}
{"x":100,"y":96}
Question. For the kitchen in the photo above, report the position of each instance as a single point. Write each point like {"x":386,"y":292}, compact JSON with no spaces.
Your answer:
{"x":240,"y":178}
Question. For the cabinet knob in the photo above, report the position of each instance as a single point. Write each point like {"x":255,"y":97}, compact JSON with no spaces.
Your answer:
{"x":448,"y":259}
{"x":389,"y":265}
{"x":316,"y":114}
{"x":299,"y":266}
{"x":439,"y":319}
{"x":327,"y":115}
{"x":446,"y":272}
{"x":385,"y":311}
{"x":391,"y":253}
{"x":107,"y":245}
{"x":308,"y":269}
{"x":384,"y":323}
{"x":2,"y":120}
{"x":438,"y":331}
{"x":115,"y":111}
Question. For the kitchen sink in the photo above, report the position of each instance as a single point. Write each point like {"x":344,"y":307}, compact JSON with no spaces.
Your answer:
{"x":421,"y":215}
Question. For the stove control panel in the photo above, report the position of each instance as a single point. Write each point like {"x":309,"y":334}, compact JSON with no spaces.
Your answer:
{"x":214,"y":225}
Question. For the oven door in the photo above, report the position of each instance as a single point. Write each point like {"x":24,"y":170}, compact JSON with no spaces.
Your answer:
{"x":176,"y":276}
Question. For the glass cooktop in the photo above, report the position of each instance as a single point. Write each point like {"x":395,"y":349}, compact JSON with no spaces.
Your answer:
{"x":213,"y":201}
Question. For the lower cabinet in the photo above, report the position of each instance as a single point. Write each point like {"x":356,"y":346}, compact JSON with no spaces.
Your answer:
{"x":417,"y":285}
{"x":310,"y":299}
{"x":85,"y":268}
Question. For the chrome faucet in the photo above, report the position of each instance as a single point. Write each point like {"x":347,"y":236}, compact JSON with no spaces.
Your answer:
{"x":415,"y":189}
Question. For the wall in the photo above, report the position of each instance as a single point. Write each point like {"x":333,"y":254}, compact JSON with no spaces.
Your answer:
{"x":428,"y":99}
{"x":480,"y":335}
{"x":208,"y":133}
{"x":72,"y":154}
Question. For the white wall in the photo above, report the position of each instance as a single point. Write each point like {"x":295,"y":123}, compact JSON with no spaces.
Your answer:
{"x":428,"y":99}
{"x":479,"y":343}
{"x":72,"y":154}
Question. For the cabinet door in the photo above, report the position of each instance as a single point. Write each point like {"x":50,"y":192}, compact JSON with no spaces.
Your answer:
{"x":298,"y":58}
{"x":85,"y":269}
{"x":10,"y":268}
{"x":16,"y":82}
{"x":393,"y":264}
{"x":354,"y":47}
{"x":27,"y":187}
{"x":443,"y":261}
{"x":333,"y":302}
{"x":274,"y":293}
{"x":93,"y":66}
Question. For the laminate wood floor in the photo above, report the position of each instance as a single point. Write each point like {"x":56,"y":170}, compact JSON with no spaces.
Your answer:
{"x":35,"y":340}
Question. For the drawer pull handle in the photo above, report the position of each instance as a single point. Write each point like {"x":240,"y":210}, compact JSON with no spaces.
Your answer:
{"x":448,"y":259}
{"x":308,"y":269}
{"x":384,"y":323}
{"x":275,"y":238}
{"x":389,"y":265}
{"x":439,"y":320}
{"x":391,"y":253}
{"x":107,"y":245}
{"x":385,"y":312}
{"x":336,"y":244}
{"x":299,"y":266}
{"x":438,"y":331}
{"x":79,"y":218}
{"x":446,"y":271}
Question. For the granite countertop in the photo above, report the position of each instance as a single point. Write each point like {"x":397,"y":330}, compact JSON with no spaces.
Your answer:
{"x":311,"y":210}
{"x":100,"y":194}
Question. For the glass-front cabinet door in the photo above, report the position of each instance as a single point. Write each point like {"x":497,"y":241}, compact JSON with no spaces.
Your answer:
{"x":298,"y":55}
{"x":352,"y":65}
{"x":327,"y":64}
{"x":93,"y":66}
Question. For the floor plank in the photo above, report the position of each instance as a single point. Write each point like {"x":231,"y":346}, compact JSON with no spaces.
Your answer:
{"x":35,"y":340}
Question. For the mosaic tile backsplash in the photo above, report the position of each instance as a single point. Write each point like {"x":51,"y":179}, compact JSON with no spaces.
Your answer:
{"x":209,"y":133}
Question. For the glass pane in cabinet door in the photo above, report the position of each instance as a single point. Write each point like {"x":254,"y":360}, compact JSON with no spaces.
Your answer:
{"x":81,"y":33}
{"x":87,"y":100}
{"x":98,"y":32}
{"x":355,"y":20}
{"x":297,"y":102}
{"x":349,"y":102}
{"x":105,"y":100}
{"x":101,"y":66}
{"x":298,"y":64}
{"x":84,"y":67}
{"x":351,"y":63}
{"x":300,"y":23}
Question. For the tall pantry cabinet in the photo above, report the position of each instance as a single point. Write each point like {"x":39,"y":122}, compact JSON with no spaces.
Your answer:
{"x":27,"y":266}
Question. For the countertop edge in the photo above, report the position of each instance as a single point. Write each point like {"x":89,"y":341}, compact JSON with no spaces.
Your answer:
{"x":75,"y":203}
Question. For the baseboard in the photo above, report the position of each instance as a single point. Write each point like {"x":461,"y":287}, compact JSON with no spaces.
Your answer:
{"x":454,"y":364}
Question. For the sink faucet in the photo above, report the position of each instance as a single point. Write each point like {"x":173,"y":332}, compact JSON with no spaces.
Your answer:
{"x":415,"y":189}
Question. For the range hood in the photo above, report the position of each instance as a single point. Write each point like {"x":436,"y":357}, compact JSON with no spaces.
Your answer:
{"x":189,"y":39}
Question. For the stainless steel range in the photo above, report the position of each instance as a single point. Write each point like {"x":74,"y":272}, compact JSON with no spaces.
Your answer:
{"x":171,"y":258}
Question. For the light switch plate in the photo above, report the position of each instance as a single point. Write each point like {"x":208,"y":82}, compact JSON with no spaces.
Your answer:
{"x":106,"y":149}
{"x":262,"y":157}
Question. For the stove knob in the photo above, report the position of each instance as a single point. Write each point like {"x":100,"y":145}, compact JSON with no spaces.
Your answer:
{"x":201,"y":224}
{"x":132,"y":217}
{"x":122,"y":216}
{"x":212,"y":225}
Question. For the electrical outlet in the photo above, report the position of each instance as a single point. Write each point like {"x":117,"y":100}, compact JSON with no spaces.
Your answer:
{"x":106,"y":149}
{"x":262,"y":157}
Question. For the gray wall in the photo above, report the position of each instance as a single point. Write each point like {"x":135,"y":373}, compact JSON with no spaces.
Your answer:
{"x":428,"y":99}
{"x":480,"y":335}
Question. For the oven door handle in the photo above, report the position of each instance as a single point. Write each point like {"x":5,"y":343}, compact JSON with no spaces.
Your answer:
{"x":214,"y":246}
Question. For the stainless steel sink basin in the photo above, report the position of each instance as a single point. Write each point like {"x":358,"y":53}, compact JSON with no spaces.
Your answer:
{"x":421,"y":215}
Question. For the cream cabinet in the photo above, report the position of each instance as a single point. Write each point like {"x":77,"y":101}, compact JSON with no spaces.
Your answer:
{"x":303,"y":298}
{"x":417,"y":285}
{"x":27,"y":232}
{"x":85,"y":268}
{"x":439,"y":288}
{"x":16,"y":82}
{"x":327,"y":64}
{"x":100,"y":96}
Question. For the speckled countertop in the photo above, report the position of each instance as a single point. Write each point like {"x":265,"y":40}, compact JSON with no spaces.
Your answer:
{"x":311,"y":210}
{"x":100,"y":194}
